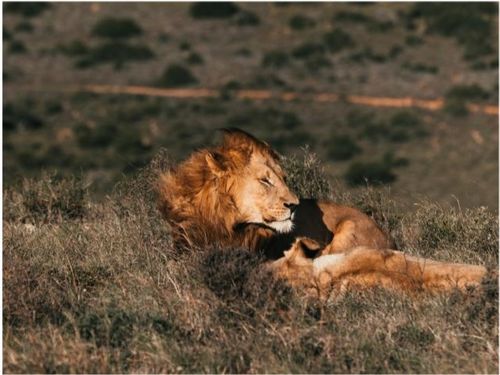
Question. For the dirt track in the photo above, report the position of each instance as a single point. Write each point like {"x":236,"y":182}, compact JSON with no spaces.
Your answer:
{"x":371,"y":101}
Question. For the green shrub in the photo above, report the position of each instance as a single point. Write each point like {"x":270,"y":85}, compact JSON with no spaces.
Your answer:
{"x":317,"y":62}
{"x":413,"y":40}
{"x":74,"y":48}
{"x":395,"y":51}
{"x":359,"y":118}
{"x":163,"y":37}
{"x":246,"y":18}
{"x":6,"y":34}
{"x":53,"y":107}
{"x":115,"y":52}
{"x":338,"y":40}
{"x":405,"y":119}
{"x":116,"y":28}
{"x":485,"y":65}
{"x":377,"y":172}
{"x":24,"y":27}
{"x":367,"y":53}
{"x":275,"y":59}
{"x":456,"y":107}
{"x":100,"y":136}
{"x":380,"y":26}
{"x":17,"y":47}
{"x":348,"y":16}
{"x":374,"y":131}
{"x":300,"y":22}
{"x":308,"y":49}
{"x":469,"y":23}
{"x":194,"y":58}
{"x":208,"y":10}
{"x":184,"y":46}
{"x":26,"y":9}
{"x":456,"y":98}
{"x":177,"y":76}
{"x":420,"y":67}
{"x":342,"y":147}
{"x":20,"y":115}
{"x":468,"y":92}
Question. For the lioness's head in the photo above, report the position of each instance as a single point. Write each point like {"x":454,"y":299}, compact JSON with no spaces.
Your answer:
{"x":247,"y":171}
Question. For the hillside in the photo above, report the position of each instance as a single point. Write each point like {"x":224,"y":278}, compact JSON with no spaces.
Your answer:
{"x":99,"y":288}
{"x":423,"y":51}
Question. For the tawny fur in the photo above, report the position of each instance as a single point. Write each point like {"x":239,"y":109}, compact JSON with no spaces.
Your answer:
{"x":234,"y":194}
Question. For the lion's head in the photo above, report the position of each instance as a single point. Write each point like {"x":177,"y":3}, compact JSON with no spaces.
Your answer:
{"x":219,"y":192}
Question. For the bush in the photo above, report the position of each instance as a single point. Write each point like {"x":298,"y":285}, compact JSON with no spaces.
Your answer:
{"x":307,"y":50}
{"x":177,"y":76}
{"x":456,"y":98}
{"x":20,"y":115}
{"x":74,"y":48}
{"x":194,"y":58}
{"x":101,"y":136}
{"x":468,"y":92}
{"x":246,"y":18}
{"x":184,"y":46}
{"x":317,"y":62}
{"x":358,"y":118}
{"x":17,"y":47}
{"x":367,"y":54}
{"x":116,"y":28}
{"x":26,"y":9}
{"x":24,"y":27}
{"x":275,"y":59}
{"x":208,"y":10}
{"x":6,"y":35}
{"x":420,"y":67}
{"x":369,"y":173}
{"x":300,"y":22}
{"x":342,"y":147}
{"x":405,"y":119}
{"x":469,"y":23}
{"x":413,"y":40}
{"x":115,"y":52}
{"x":355,"y":17}
{"x":337,"y":40}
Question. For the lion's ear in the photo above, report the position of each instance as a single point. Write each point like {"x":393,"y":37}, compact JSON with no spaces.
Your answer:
{"x":216,"y":162}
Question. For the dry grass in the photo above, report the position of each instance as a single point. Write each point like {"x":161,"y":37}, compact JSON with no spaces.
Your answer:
{"x":106,"y":292}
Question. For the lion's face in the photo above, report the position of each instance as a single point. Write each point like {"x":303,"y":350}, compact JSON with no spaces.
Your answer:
{"x":218,"y":191}
{"x":261,"y":195}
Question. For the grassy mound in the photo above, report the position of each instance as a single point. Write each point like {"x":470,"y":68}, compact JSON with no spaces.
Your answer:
{"x":105,"y":290}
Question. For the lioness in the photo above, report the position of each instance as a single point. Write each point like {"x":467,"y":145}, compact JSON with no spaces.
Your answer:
{"x":234,"y":194}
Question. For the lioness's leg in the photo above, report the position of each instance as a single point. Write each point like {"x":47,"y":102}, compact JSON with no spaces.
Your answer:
{"x":365,"y":267}
{"x":343,"y":240}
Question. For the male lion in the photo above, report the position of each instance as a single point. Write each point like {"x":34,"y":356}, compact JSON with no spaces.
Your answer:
{"x":234,"y":194}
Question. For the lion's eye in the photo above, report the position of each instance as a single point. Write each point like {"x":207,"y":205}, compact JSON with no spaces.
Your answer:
{"x":265,"y":181}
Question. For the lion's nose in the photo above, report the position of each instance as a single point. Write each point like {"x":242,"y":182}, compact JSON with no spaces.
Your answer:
{"x":291,"y":207}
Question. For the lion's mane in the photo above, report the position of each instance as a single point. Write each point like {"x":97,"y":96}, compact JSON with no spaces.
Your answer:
{"x":198,"y":205}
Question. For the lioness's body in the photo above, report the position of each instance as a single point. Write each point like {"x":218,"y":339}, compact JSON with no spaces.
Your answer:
{"x":334,"y":227}
{"x":234,"y":194}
